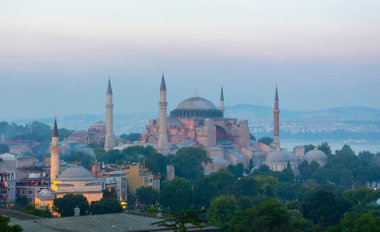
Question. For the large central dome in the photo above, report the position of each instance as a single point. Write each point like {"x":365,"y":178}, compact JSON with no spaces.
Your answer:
{"x":196,"y":103}
{"x":196,"y":107}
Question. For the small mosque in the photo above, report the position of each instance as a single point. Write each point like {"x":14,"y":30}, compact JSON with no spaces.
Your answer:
{"x":73,"y":180}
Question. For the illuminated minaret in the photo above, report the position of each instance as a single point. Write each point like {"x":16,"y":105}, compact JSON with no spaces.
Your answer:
{"x":54,"y":148}
{"x":221,"y":100}
{"x":162,"y":143}
{"x":108,"y":144}
{"x":276,"y":123}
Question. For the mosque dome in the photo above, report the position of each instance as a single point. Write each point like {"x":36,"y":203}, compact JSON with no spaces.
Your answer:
{"x":45,"y":193}
{"x":196,"y":107}
{"x":98,"y":124}
{"x":280,"y":157}
{"x":75,"y":173}
{"x":316,"y":155}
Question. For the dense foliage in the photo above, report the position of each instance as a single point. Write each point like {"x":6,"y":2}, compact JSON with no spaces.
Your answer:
{"x":176,"y":195}
{"x":65,"y":205}
{"x":131,"y":137}
{"x":266,"y":140}
{"x":153,"y":160}
{"x":318,"y":199}
{"x":84,"y":159}
{"x":31,"y":209}
{"x":5,"y":227}
{"x":105,"y":206}
{"x":147,"y":196}
{"x":188,"y":162}
{"x":36,"y":131}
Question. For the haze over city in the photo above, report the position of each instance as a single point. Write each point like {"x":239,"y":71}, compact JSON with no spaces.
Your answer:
{"x":55,"y":56}
{"x":217,"y":115}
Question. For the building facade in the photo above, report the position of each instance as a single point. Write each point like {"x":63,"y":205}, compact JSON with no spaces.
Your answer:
{"x":196,"y":121}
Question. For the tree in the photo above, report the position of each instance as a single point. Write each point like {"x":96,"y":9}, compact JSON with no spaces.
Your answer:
{"x":236,"y":170}
{"x":309,"y":147}
{"x":307,"y":170}
{"x":250,"y":167}
{"x":267,"y":216}
{"x":324,"y":207}
{"x":147,"y":195}
{"x":85,"y":159}
{"x":177,"y":220}
{"x":246,"y":186}
{"x":218,"y":183}
{"x":362,"y":196}
{"x":5,"y":227}
{"x":265,"y":184}
{"x":105,"y":206}
{"x":131,"y":136}
{"x":31,"y":209}
{"x":266,"y":140}
{"x":289,"y":191}
{"x":21,"y":201}
{"x":325,"y":147}
{"x":65,"y":205}
{"x":358,"y":223}
{"x":188,"y":162}
{"x":4,"y":148}
{"x":110,"y":193}
{"x":366,"y":156}
{"x":176,"y":195}
{"x":252,"y":137}
{"x":222,"y":210}
{"x":286,"y":175}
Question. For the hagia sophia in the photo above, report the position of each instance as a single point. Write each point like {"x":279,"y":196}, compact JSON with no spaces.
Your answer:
{"x":198,"y":122}
{"x":195,"y":121}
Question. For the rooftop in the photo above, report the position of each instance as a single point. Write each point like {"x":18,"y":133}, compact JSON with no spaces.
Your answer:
{"x":120,"y":222}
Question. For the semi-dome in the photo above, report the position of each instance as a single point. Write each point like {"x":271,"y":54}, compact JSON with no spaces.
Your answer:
{"x":75,"y":173}
{"x":280,"y":157}
{"x":196,"y":107}
{"x":316,"y":155}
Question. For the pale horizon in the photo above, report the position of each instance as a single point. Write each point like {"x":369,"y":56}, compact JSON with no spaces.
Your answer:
{"x":55,"y":57}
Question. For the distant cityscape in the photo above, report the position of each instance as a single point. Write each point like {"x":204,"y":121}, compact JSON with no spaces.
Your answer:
{"x":353,"y":125}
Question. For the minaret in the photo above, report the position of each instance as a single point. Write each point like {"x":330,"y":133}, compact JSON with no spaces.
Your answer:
{"x":54,"y":148}
{"x":108,"y":144}
{"x":162,"y":143}
{"x":221,"y":100}
{"x":276,"y":123}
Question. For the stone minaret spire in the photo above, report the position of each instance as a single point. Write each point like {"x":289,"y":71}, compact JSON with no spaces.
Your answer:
{"x":276,"y":123}
{"x":54,"y":153}
{"x":108,"y":144}
{"x":162,"y":143}
{"x":221,"y":100}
